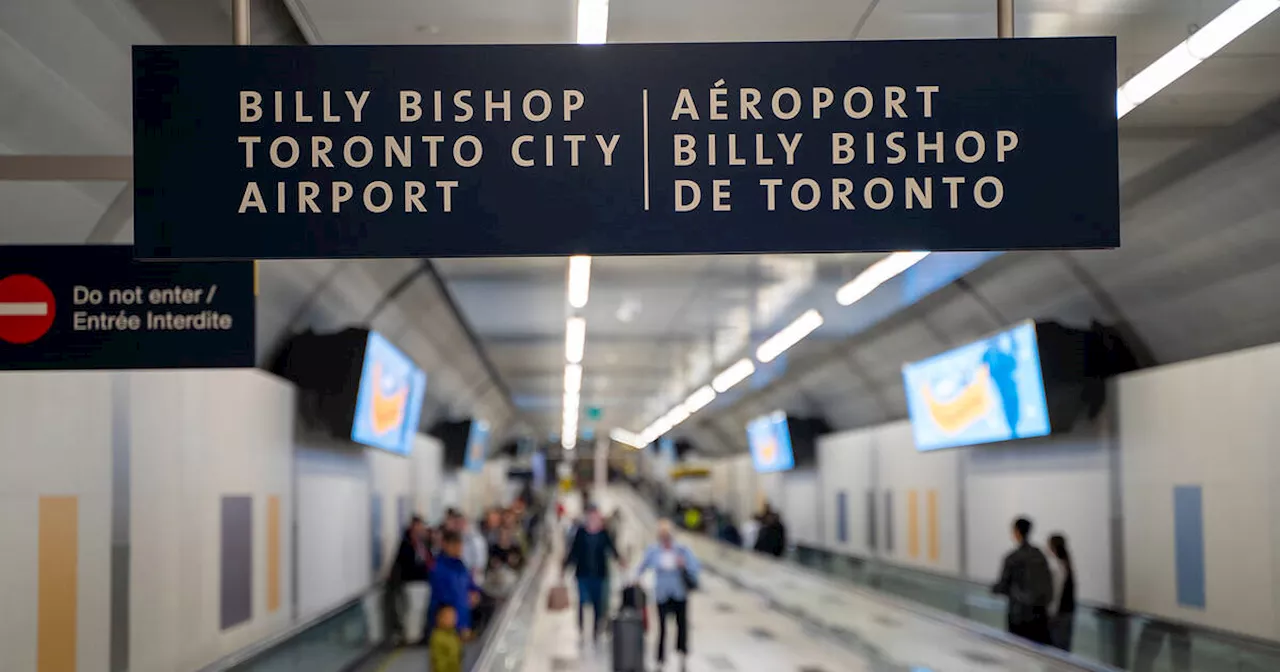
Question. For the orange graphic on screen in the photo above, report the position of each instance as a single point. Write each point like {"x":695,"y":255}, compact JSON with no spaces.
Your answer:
{"x":972,"y":403}
{"x":387,"y":410}
{"x":767,"y":452}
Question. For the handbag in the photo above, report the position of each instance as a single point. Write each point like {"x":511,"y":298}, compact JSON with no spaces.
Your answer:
{"x":558,"y":598}
{"x":690,"y":581}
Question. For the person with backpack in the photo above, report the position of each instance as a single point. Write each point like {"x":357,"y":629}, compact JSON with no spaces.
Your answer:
{"x":1028,"y":583}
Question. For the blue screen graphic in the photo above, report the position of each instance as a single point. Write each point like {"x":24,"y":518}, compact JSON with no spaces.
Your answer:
{"x":477,"y":444}
{"x":389,"y":403}
{"x":769,"y":439}
{"x":987,"y":391}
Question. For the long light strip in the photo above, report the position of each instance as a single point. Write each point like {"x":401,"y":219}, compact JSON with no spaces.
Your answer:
{"x":699,"y":399}
{"x":572,"y":378}
{"x":579,"y":280}
{"x":575,"y":339}
{"x":790,"y":335}
{"x":1193,"y":51}
{"x":626,"y":438}
{"x":877,"y":274}
{"x":736,"y":373}
{"x":593,"y":21}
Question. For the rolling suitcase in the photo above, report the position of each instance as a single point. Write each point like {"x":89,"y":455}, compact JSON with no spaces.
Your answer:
{"x":628,"y":641}
{"x":633,"y":597}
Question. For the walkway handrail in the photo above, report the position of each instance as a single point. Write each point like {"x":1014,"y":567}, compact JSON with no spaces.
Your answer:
{"x":284,"y":637}
{"x":533,"y":575}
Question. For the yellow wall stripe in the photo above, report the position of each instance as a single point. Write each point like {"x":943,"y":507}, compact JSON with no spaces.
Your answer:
{"x":931,"y":512}
{"x":273,"y":553}
{"x":59,"y":561}
{"x":913,"y":523}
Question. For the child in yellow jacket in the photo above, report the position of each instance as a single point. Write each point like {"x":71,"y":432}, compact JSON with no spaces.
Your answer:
{"x":445,"y":646}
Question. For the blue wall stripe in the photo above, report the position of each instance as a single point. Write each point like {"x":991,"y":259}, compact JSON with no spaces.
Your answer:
{"x":1188,"y":544}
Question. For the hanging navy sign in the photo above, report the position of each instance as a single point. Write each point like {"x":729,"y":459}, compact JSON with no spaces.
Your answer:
{"x":95,"y":307}
{"x":261,"y":152}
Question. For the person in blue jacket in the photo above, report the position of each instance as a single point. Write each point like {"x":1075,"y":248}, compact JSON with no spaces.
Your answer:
{"x":452,"y":586}
{"x":675,"y":574}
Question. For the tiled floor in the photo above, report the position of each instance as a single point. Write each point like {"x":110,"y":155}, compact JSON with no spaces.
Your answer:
{"x":755,"y":614}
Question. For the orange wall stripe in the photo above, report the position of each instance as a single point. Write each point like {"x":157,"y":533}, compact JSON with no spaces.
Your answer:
{"x":913,"y":523}
{"x":273,"y":553}
{"x":59,"y":563}
{"x":931,"y":505}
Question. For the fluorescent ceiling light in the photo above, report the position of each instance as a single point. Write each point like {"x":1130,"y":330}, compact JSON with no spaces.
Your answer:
{"x":877,"y":274}
{"x":790,"y":335}
{"x":699,"y":399}
{"x":593,"y":21}
{"x":571,"y":403}
{"x":1193,"y":51}
{"x":573,"y":378}
{"x":625,"y":437}
{"x":569,"y":441}
{"x":575,"y":339}
{"x":579,"y":280}
{"x":736,"y":373}
{"x":677,"y":415}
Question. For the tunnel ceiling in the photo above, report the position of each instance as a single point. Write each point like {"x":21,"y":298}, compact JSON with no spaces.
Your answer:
{"x":1195,"y":275}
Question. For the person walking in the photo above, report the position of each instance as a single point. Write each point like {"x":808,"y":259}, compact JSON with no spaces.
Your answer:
{"x":1026,"y":580}
{"x":1062,"y":611}
{"x":589,"y":553}
{"x":676,"y":572}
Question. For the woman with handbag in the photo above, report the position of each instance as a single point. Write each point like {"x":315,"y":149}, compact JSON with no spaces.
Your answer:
{"x":675,"y":575}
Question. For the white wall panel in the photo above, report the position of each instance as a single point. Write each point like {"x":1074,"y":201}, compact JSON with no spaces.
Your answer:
{"x":56,"y":442}
{"x":933,"y":480}
{"x":1210,"y":423}
{"x":391,"y":479}
{"x":428,"y":477}
{"x":845,"y":466}
{"x":197,"y":436}
{"x":334,"y":536}
{"x":799,"y":506}
{"x":1062,"y":484}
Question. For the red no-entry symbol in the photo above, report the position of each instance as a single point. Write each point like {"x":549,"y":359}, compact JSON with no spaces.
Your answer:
{"x":26,"y":309}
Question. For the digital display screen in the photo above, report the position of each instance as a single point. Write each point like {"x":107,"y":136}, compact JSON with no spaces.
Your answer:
{"x":987,"y":391}
{"x":769,"y":439}
{"x":389,"y":402}
{"x":477,"y":445}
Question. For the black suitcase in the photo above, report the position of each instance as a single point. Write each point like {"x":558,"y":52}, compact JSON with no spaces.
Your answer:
{"x":633,"y":598}
{"x":628,"y":641}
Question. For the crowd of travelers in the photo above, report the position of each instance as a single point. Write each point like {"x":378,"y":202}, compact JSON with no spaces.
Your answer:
{"x":469,"y":566}
{"x":763,"y":532}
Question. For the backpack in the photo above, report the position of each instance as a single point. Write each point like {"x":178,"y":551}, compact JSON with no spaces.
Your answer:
{"x":1039,"y":582}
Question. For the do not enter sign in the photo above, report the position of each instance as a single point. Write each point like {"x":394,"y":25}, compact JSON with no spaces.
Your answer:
{"x":81,"y":307}
{"x":26,"y":309}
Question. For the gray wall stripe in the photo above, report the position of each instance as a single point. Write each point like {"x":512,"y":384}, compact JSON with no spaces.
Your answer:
{"x":121,"y":536}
